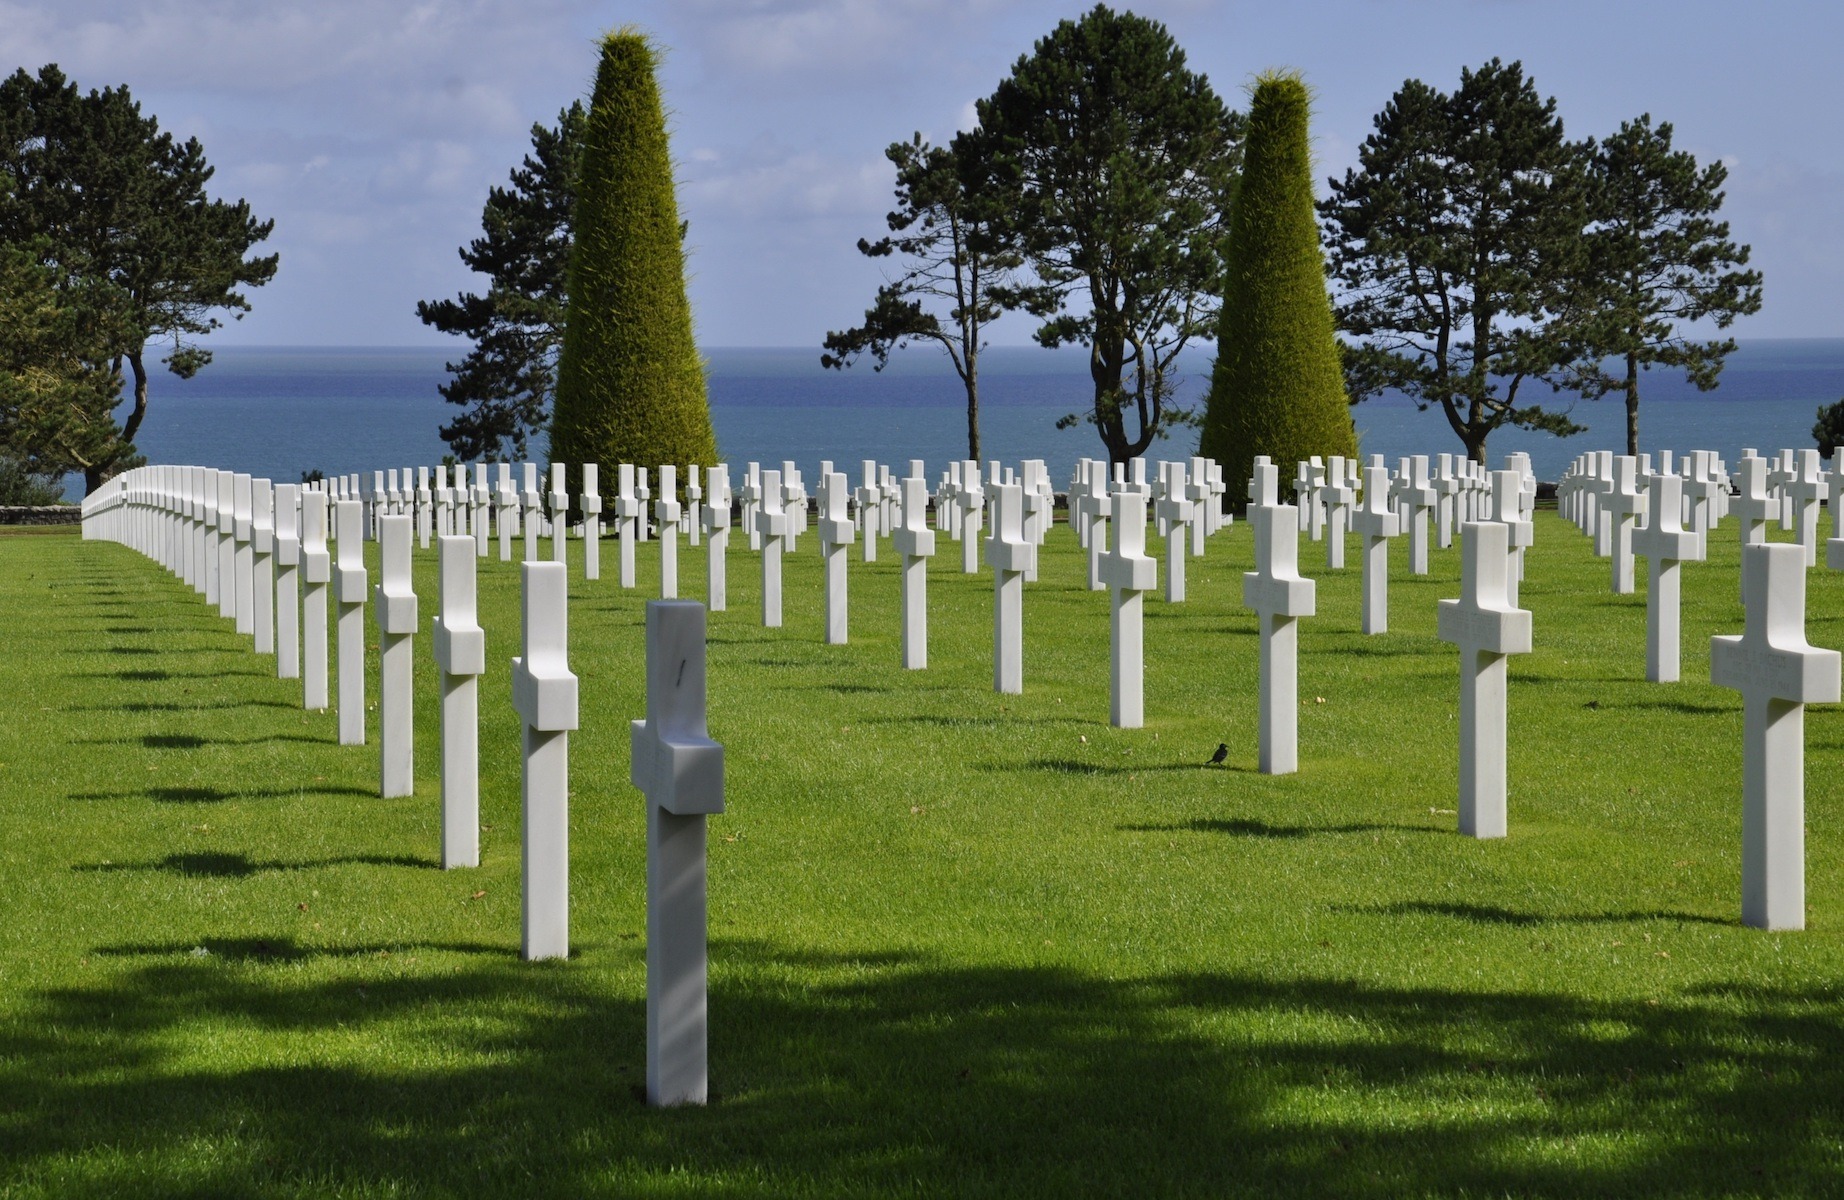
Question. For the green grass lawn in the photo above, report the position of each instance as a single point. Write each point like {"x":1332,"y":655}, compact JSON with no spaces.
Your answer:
{"x":961,"y":943}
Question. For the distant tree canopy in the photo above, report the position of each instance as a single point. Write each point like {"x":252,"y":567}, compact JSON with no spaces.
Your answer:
{"x":506,"y":381}
{"x":117,"y":212}
{"x":1116,"y":161}
{"x":1828,"y":432}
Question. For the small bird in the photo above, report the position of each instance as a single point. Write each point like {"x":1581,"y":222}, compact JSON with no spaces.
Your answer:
{"x":1221,"y":754}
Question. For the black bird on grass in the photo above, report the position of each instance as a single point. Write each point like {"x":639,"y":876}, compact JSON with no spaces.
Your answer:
{"x":1221,"y":754}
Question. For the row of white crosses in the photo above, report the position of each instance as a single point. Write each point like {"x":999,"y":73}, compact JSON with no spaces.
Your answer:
{"x":221,"y":548}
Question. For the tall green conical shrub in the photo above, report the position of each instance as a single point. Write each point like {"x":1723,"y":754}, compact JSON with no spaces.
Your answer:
{"x":1278,"y":387}
{"x":630,"y":384}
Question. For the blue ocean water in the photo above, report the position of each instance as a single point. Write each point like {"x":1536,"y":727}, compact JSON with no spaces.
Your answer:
{"x":280,"y":411}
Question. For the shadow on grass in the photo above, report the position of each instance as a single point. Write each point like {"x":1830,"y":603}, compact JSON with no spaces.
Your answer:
{"x":1077,"y":766}
{"x":177,"y":706}
{"x":1249,"y":828}
{"x":1487,"y":914}
{"x":484,"y":1076}
{"x":220,"y":865}
{"x":192,"y":741}
{"x":212,"y":795}
{"x":160,"y":676}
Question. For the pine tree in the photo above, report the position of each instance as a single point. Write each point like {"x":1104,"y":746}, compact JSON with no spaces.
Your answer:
{"x":1278,"y":387}
{"x":506,"y":380}
{"x":630,"y":384}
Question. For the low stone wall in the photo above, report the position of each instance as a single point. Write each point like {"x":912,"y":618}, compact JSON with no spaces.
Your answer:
{"x":36,"y":514}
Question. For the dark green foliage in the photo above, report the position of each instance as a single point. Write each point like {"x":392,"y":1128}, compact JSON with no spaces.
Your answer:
{"x":1120,"y":161}
{"x":952,"y":231}
{"x":506,"y":380}
{"x":58,"y":389}
{"x":1829,"y":429}
{"x":1659,"y":257}
{"x":1457,"y":244}
{"x":1278,"y":387}
{"x":122,"y":207}
{"x":630,"y":384}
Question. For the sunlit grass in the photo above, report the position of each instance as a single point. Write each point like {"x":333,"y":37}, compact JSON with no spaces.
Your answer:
{"x":962,"y":943}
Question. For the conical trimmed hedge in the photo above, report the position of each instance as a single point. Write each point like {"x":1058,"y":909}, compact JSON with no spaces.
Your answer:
{"x":630,"y":384}
{"x":1278,"y":386}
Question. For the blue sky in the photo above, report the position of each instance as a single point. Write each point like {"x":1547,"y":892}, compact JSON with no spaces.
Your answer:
{"x":371,"y":130}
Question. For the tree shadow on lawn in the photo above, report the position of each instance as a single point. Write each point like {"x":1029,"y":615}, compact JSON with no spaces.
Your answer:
{"x":1246,"y":827}
{"x":192,"y":741}
{"x":1486,"y":914}
{"x":161,"y":676}
{"x":212,"y":795}
{"x":1076,"y":766}
{"x":225,"y":865}
{"x":178,"y":706}
{"x":914,"y":1077}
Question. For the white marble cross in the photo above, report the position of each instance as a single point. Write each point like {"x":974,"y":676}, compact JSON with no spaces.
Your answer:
{"x":1176,"y":514}
{"x":1507,"y":508}
{"x":1621,"y":504}
{"x":835,"y":536}
{"x":506,"y":499}
{"x":1806,"y":489}
{"x":1008,"y":553}
{"x":666,"y":513}
{"x":288,"y":581}
{"x":244,"y":555}
{"x":350,"y":584}
{"x":461,"y":653}
{"x":680,"y":770}
{"x":1129,"y":574}
{"x":482,"y":496}
{"x":395,"y":609}
{"x":1447,"y":486}
{"x":262,"y":565}
{"x":560,"y":515}
{"x":316,"y":572}
{"x":870,"y":509}
{"x":915,"y":542}
{"x":425,"y":508}
{"x":793,"y":503}
{"x":627,"y":512}
{"x":751,"y":496}
{"x":1376,"y":521}
{"x":1778,"y":674}
{"x":544,"y":693}
{"x":644,"y":493}
{"x":771,"y":526}
{"x":1339,"y":496}
{"x":1096,"y":509}
{"x":592,"y":520}
{"x":971,"y":500}
{"x":1280,"y":596}
{"x":1664,"y":543}
{"x":715,"y":517}
{"x":444,"y":504}
{"x":532,"y":502}
{"x":1418,"y":497}
{"x":1487,"y":629}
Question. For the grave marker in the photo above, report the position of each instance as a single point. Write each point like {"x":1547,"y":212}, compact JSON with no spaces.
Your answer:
{"x":716,"y":518}
{"x":395,"y":609}
{"x":680,"y":770}
{"x":1665,"y":543}
{"x":544,"y":693}
{"x":771,"y":526}
{"x":288,"y":581}
{"x":316,"y":572}
{"x":915,"y":541}
{"x":1009,"y":554}
{"x":835,"y":535}
{"x":461,"y":653}
{"x":592,"y":521}
{"x":262,"y":565}
{"x":666,"y":512}
{"x":1129,"y":574}
{"x":1376,"y":522}
{"x":350,"y":583}
{"x":1281,"y":597}
{"x":1778,"y":674}
{"x":1487,"y":629}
